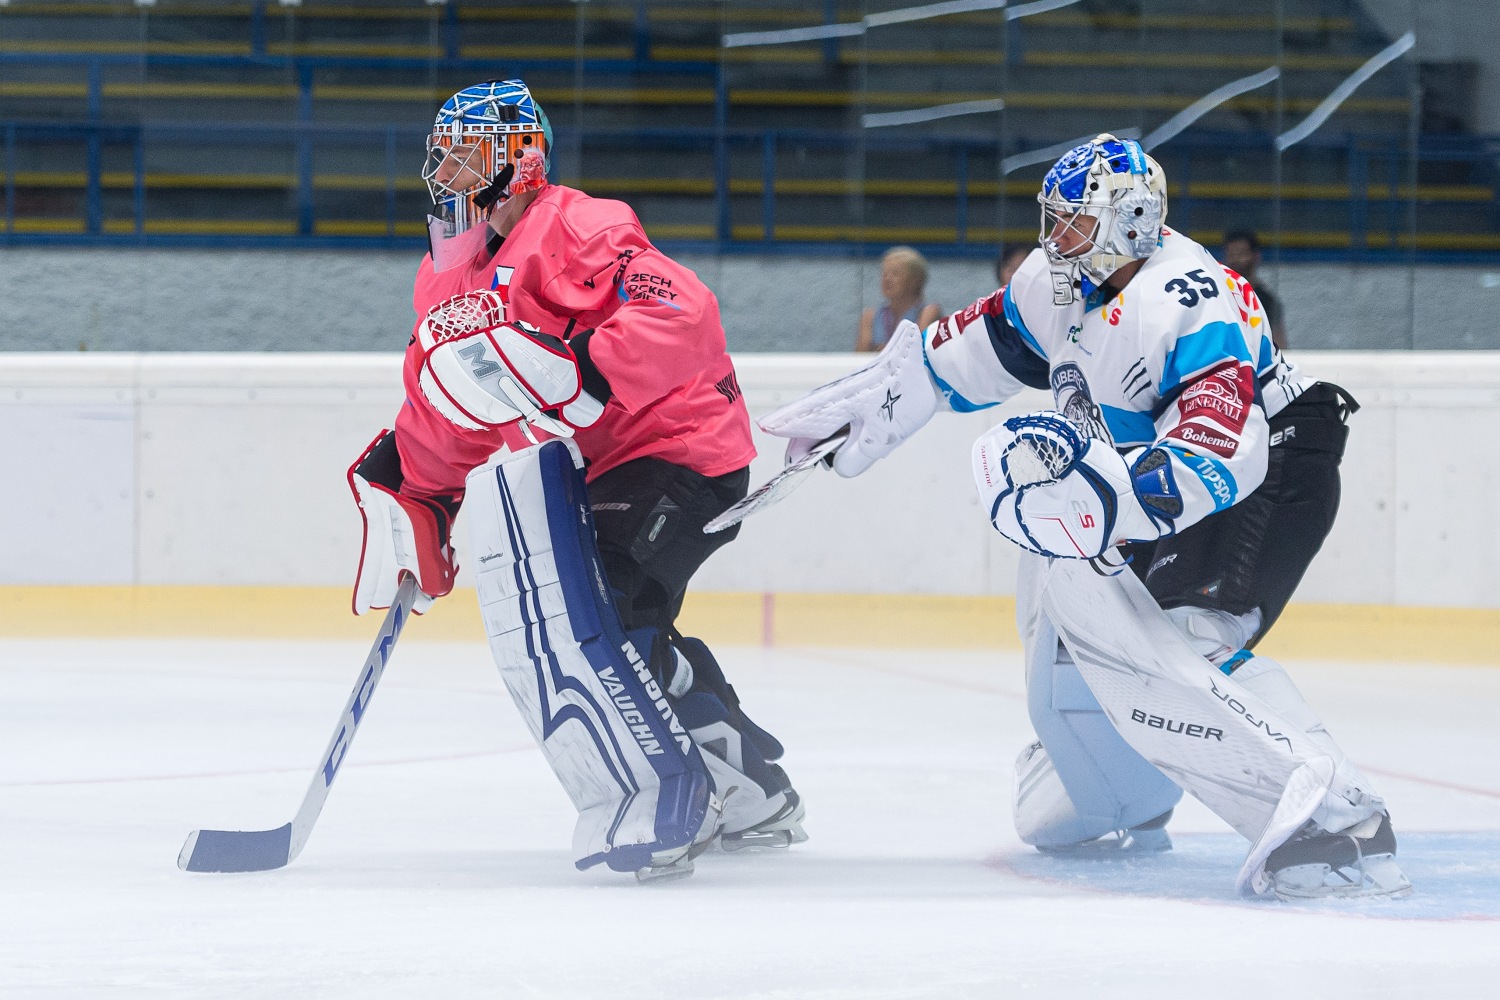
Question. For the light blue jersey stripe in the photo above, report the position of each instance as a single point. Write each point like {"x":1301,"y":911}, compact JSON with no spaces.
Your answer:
{"x":1199,"y":351}
{"x":1128,"y":426}
{"x":956,"y":400}
{"x":1217,"y":479}
{"x":1267,"y":356}
{"x":1014,"y":316}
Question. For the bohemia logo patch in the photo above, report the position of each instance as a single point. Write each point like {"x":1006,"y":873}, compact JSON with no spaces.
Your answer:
{"x":1213,"y":409}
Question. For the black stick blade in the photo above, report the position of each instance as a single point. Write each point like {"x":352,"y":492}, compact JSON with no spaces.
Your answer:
{"x":236,"y":850}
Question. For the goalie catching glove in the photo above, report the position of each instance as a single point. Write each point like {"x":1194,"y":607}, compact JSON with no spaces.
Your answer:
{"x":402,"y":534}
{"x":481,"y":372}
{"x":882,"y":404}
{"x":1056,"y":493}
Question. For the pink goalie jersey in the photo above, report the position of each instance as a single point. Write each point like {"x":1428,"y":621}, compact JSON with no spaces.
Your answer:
{"x":574,"y":263}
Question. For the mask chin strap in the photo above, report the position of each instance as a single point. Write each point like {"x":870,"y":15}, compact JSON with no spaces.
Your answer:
{"x":484,"y":199}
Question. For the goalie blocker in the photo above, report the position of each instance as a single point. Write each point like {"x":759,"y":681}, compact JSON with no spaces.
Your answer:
{"x":401,"y":533}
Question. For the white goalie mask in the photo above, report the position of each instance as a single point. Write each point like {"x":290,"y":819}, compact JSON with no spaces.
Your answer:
{"x":489,"y":142}
{"x":1115,"y":183}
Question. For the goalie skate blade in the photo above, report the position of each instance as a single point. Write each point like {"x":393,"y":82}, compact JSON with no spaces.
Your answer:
{"x":236,"y":850}
{"x":776,"y":832}
{"x":753,"y":840}
{"x":662,"y":874}
{"x":1134,"y":842}
{"x":1374,"y":877}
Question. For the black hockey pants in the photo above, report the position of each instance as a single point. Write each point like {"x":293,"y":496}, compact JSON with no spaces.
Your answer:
{"x":1254,"y":554}
{"x":649,"y":516}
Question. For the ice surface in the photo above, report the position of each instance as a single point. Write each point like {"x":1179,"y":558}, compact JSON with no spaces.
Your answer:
{"x":440,"y":867}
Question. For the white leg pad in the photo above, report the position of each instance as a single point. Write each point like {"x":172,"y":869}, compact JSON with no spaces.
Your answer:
{"x":639,"y":785}
{"x":1269,"y":681}
{"x":1226,"y":746}
{"x":1084,"y":781}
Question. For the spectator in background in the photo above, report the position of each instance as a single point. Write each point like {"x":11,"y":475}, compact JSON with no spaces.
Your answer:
{"x":1010,"y":258}
{"x":903,"y":277}
{"x":1241,"y":253}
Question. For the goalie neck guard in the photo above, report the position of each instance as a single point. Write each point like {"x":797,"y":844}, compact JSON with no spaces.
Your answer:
{"x":489,"y":142}
{"x":1114,"y":182}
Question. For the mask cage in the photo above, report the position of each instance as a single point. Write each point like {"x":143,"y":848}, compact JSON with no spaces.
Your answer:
{"x":462,"y":162}
{"x":458,"y":167}
{"x":1059,"y":216}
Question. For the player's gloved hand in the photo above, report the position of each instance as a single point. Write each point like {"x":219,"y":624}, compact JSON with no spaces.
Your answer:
{"x":481,"y":372}
{"x":1054,"y":492}
{"x":882,"y":404}
{"x":402,"y":534}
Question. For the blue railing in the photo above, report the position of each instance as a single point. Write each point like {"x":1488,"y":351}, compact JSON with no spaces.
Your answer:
{"x":1380,"y":161}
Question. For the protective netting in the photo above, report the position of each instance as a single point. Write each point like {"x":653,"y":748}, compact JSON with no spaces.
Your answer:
{"x":1036,"y":457}
{"x":464,"y":314}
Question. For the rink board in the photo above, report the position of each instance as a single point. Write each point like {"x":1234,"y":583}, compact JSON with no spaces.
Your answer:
{"x":211,"y":470}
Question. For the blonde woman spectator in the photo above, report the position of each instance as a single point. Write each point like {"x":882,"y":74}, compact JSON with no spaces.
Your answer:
{"x":903,"y":276}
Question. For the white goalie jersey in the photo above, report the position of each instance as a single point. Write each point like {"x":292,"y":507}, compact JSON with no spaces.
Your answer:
{"x":1181,"y":360}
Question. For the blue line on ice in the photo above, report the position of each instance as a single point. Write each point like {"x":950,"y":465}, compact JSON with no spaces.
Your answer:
{"x":1456,"y":875}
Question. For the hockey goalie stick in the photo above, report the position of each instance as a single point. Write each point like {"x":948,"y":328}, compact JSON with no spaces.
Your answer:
{"x":264,"y":850}
{"x":778,"y":486}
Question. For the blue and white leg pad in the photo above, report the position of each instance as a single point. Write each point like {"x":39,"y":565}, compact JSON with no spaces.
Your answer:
{"x":1240,"y":755}
{"x":639,"y":784}
{"x":1087,"y":782}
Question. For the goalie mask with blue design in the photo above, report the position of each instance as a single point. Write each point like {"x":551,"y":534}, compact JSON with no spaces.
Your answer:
{"x":489,"y":142}
{"x":1103,"y":205}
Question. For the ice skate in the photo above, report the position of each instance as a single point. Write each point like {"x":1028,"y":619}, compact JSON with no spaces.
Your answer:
{"x":781,"y":828}
{"x":761,"y":809}
{"x":677,"y":864}
{"x":1359,"y":862}
{"x":1150,"y":837}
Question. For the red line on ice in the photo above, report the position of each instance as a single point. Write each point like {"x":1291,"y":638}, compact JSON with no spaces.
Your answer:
{"x":1402,"y":776}
{"x":848,"y":660}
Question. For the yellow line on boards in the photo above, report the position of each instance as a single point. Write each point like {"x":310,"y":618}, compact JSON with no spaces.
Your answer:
{"x":209,"y":612}
{"x":1306,"y":631}
{"x":1383,"y":633}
